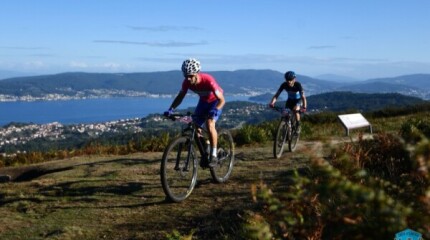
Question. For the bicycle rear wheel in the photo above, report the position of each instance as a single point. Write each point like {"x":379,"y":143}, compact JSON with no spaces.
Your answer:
{"x":281,"y":136}
{"x":225,"y":152}
{"x":179,"y":169}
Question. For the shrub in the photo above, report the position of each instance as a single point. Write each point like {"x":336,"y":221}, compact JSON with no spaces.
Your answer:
{"x":252,"y":134}
{"x":373,"y":189}
{"x":328,"y":206}
{"x":384,"y":156}
{"x":413,"y":130}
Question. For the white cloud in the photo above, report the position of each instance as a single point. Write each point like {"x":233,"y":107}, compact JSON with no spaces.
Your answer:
{"x":111,"y":66}
{"x":75,"y":64}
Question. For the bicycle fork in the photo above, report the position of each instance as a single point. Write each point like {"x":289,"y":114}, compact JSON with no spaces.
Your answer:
{"x":186,"y":167}
{"x":290,"y":129}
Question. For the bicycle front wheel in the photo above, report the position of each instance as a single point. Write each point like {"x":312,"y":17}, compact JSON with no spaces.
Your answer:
{"x":179,"y":169}
{"x":281,"y":136}
{"x":225,"y":152}
{"x":294,"y":138}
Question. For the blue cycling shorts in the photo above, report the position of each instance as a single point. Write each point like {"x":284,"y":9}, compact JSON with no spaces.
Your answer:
{"x":202,"y":112}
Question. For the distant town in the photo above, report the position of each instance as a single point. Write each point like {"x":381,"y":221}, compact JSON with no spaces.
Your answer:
{"x":87,"y":94}
{"x":21,"y":133}
{"x":16,"y":137}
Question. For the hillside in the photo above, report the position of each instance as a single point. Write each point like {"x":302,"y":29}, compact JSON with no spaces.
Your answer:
{"x":363,"y":102}
{"x":233,"y":82}
{"x":345,"y":100}
{"x":103,"y":196}
{"x":251,"y":82}
{"x":116,"y":198}
{"x":121,"y":197}
{"x":417,"y":85}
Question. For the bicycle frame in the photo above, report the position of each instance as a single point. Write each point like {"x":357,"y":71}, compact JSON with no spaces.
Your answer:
{"x":191,"y":131}
{"x":179,"y":169}
{"x":288,"y":115}
{"x":286,"y":132}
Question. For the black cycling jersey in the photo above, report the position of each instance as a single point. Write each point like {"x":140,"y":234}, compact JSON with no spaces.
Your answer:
{"x":294,"y":92}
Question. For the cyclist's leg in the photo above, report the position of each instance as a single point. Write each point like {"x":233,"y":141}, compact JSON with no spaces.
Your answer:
{"x":291,"y":104}
{"x":199,"y":114}
{"x":297,"y":112}
{"x":199,"y":120}
{"x":202,"y":110}
{"x":294,"y":106}
{"x":213,"y":133}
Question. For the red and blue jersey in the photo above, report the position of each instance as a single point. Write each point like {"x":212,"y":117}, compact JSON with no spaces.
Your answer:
{"x":206,"y":88}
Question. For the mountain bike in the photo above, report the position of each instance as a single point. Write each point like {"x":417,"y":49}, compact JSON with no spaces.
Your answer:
{"x":286,"y":132}
{"x":180,"y":159}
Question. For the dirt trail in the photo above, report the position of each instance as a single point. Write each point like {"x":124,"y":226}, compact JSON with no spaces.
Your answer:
{"x":120,"y":197}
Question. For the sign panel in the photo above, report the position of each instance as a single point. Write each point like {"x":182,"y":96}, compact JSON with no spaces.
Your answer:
{"x":355,"y":120}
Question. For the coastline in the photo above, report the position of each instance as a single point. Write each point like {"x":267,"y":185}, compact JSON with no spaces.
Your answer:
{"x":90,"y":110}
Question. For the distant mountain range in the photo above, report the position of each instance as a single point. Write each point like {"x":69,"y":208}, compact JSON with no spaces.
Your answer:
{"x":337,"y":78}
{"x":250,"y":82}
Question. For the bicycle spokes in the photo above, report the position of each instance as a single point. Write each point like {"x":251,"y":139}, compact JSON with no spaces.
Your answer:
{"x":225,"y":153}
{"x":178,"y":157}
{"x":222,"y":156}
{"x":179,"y":169}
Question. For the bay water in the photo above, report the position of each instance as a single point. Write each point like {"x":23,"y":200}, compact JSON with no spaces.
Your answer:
{"x":90,"y":110}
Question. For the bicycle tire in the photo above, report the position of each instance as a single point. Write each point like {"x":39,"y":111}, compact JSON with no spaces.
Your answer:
{"x":293,"y":138}
{"x":225,"y":152}
{"x":178,"y":182}
{"x":292,"y":144}
{"x":279,"y":142}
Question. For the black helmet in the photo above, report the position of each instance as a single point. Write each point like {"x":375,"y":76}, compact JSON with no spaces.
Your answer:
{"x":290,"y":75}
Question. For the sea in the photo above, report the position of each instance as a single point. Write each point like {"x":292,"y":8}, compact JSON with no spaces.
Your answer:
{"x":90,"y":110}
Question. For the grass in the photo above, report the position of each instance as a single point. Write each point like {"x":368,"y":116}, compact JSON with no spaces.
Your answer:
{"x":121,"y":198}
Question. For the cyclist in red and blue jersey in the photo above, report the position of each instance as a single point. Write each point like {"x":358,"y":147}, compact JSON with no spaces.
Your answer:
{"x":211,"y":102}
{"x":296,"y":95}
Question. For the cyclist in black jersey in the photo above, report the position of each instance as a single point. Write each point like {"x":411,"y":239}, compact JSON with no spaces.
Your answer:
{"x":296,"y":95}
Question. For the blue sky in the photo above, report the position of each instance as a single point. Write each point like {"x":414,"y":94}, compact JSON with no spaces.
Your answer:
{"x":360,"y":39}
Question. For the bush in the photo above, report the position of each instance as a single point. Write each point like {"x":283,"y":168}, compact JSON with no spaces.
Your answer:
{"x":373,"y":189}
{"x":414,"y":130}
{"x":252,"y":134}
{"x":384,"y":156}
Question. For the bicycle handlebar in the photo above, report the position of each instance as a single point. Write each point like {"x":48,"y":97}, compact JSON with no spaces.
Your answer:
{"x":283,"y":109}
{"x":185,"y":118}
{"x":278,"y":109}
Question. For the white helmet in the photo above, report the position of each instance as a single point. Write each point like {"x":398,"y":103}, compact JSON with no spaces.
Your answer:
{"x":190,"y":66}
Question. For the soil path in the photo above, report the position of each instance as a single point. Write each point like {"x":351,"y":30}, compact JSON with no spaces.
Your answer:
{"x":120,"y":197}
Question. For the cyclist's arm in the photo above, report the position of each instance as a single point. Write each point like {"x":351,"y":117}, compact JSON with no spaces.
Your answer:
{"x":304,"y":101}
{"x":221,"y":100}
{"x":275,"y":97}
{"x":178,"y":99}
